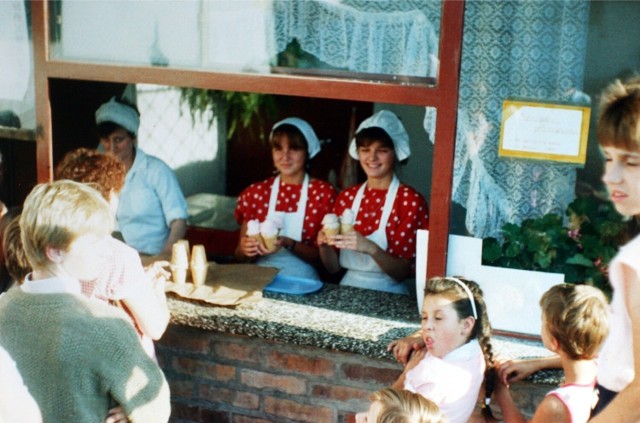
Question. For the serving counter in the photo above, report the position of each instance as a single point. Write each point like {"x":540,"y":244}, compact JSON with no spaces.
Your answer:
{"x":287,"y":358}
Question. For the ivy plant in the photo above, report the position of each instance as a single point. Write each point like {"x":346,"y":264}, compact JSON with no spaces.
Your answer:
{"x":242,"y":110}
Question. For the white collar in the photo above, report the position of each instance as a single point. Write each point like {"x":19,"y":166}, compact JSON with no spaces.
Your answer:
{"x":55,"y":285}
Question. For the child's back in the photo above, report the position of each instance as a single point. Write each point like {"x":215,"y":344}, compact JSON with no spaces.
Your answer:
{"x":574,"y":325}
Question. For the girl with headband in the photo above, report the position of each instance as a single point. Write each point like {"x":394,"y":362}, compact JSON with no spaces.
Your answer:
{"x":292,"y":198}
{"x":380,"y":252}
{"x":456,"y":333}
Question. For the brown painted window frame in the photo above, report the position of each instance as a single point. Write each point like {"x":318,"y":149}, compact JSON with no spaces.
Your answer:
{"x":443,"y":96}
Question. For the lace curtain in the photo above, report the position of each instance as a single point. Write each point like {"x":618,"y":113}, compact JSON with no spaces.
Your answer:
{"x":383,"y":36}
{"x":526,"y":49}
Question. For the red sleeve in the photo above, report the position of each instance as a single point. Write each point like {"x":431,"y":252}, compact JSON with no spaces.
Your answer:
{"x":410,"y":213}
{"x":253,"y":202}
{"x":321,"y":199}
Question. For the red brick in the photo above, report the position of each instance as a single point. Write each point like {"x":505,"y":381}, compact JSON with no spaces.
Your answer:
{"x":224,"y":373}
{"x":248,"y":419}
{"x":382,"y":376}
{"x":197,"y":414}
{"x":203,"y":369}
{"x":185,"y":341}
{"x":181,"y":388}
{"x":240,"y":399}
{"x":297,"y":363}
{"x":340,"y":393}
{"x":234,"y":351}
{"x":289,"y":384}
{"x":296,"y":411}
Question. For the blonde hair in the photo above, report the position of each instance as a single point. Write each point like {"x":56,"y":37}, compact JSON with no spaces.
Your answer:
{"x":400,"y":406}
{"x":619,"y":116}
{"x":576,"y":316}
{"x":56,"y":213}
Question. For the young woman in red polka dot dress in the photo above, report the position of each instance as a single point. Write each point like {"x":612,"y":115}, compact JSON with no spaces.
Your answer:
{"x":292,"y":197}
{"x":380,"y":253}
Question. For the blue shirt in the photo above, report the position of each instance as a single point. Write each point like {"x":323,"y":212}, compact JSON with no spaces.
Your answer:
{"x":149,"y":201}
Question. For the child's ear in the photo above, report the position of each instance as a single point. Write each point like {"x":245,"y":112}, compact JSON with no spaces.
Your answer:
{"x":467,"y":325}
{"x":54,"y":255}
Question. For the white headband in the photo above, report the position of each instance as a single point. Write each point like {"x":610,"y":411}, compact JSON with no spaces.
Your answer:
{"x":313,"y":145}
{"x":469,"y":294}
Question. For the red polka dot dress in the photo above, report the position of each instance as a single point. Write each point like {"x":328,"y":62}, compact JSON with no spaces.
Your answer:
{"x":253,"y":203}
{"x":410,"y":212}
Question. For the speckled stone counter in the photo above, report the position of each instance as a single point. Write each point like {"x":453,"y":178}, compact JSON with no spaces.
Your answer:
{"x":339,"y":318}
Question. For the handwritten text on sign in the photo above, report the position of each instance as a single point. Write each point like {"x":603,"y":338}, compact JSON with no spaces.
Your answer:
{"x":544,"y":132}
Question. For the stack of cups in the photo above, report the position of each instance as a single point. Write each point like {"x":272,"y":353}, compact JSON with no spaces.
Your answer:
{"x":199,"y":265}
{"x":180,"y":261}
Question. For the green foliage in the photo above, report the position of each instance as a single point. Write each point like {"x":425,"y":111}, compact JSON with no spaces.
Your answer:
{"x":580,"y":249}
{"x":246,"y":110}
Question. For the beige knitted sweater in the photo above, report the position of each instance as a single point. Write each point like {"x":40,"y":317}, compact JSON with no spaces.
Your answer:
{"x":76,"y":354}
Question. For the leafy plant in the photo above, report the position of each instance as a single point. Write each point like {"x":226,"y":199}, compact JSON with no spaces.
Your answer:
{"x":246,"y":110}
{"x":580,"y":249}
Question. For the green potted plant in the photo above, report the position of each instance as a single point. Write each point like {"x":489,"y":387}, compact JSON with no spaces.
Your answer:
{"x":580,"y":249}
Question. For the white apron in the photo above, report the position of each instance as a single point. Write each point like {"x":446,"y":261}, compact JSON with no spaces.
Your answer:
{"x":283,"y":259}
{"x":362,"y":269}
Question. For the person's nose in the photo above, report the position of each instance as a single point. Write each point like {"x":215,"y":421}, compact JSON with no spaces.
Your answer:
{"x":612,"y":173}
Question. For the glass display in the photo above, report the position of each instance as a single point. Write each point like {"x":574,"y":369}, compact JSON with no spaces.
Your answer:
{"x":377,"y":40}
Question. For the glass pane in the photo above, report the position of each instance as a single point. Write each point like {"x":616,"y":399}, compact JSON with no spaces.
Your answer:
{"x":378,"y":40}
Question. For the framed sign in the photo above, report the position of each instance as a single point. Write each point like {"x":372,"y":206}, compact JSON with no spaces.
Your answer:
{"x":544,"y":131}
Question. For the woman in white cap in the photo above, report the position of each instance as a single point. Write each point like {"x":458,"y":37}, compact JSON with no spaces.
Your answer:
{"x":380,"y":253}
{"x":152,"y":211}
{"x":292,"y":198}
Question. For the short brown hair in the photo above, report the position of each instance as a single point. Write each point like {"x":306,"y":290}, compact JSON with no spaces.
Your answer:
{"x":576,"y":316}
{"x":104,"y":172}
{"x":619,"y":118}
{"x":401,"y":406}
{"x":15,"y":259}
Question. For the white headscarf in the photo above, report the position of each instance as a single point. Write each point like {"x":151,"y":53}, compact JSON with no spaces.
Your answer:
{"x":390,"y":123}
{"x":120,"y":114}
{"x":313,"y":144}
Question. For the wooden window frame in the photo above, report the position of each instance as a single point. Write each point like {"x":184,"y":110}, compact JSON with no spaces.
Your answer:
{"x":443,"y":96}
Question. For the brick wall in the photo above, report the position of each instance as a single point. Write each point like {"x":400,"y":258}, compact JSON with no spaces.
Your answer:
{"x":219,"y":377}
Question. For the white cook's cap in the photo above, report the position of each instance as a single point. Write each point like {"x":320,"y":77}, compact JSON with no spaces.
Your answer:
{"x":389,"y":122}
{"x":120,"y":114}
{"x":313,"y":144}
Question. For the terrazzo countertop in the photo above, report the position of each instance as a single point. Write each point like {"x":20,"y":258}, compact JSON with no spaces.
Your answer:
{"x":353,"y":320}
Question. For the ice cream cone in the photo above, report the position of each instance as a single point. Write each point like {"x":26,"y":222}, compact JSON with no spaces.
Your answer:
{"x":179,"y":255}
{"x":331,"y":230}
{"x":185,"y":243}
{"x":199,"y":274}
{"x":269,"y":242}
{"x":345,"y":228}
{"x":198,"y":255}
{"x":179,"y":273}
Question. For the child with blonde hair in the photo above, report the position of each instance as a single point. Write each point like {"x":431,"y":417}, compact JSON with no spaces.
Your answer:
{"x":75,"y":354}
{"x":456,"y":333}
{"x":390,"y":405}
{"x":574,"y":326}
{"x":122,"y":280}
{"x":618,"y":382}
